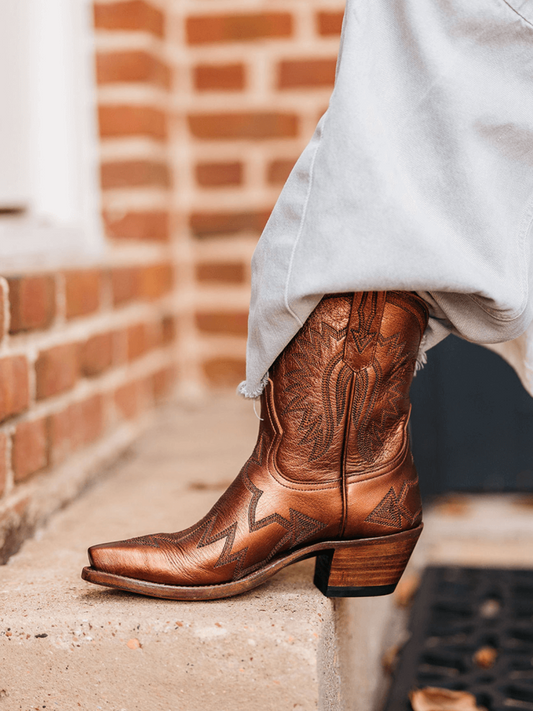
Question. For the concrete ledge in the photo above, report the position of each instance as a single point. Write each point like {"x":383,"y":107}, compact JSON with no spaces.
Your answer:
{"x":65,"y":644}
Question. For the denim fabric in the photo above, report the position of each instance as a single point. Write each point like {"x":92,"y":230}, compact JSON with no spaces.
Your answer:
{"x":419,"y":177}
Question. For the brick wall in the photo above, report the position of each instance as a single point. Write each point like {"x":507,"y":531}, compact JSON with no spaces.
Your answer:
{"x":86,"y":353}
{"x":203,"y":109}
{"x":252,"y":78}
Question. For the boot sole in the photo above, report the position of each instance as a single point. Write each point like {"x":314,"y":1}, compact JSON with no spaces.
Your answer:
{"x":361,"y":568}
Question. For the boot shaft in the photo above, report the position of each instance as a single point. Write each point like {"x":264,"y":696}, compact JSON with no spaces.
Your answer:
{"x":391,"y":326}
{"x":340,"y":389}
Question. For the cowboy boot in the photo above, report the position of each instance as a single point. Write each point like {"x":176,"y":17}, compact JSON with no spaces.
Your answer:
{"x":331,"y":475}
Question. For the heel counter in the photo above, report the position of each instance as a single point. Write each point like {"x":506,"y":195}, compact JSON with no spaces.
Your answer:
{"x":385,"y":503}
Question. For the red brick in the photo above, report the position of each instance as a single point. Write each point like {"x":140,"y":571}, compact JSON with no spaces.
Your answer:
{"x":32,"y":302}
{"x":127,"y":400}
{"x":14,"y":386}
{"x":215,"y":175}
{"x":82,"y":292}
{"x":132,"y":121}
{"x":306,"y":73}
{"x":150,"y":282}
{"x":168,"y":329}
{"x":329,"y":23}
{"x":211,"y":224}
{"x":125,"y":285}
{"x":134,"y":174}
{"x":149,"y":226}
{"x":250,"y":125}
{"x":3,"y":462}
{"x":56,"y":370}
{"x":137,"y":341}
{"x":132,"y":15}
{"x":241,"y":27}
{"x":221,"y":272}
{"x":2,"y":311}
{"x":163,"y":383}
{"x":133,"y":66}
{"x":30,"y":449}
{"x":92,"y":417}
{"x":219,"y":77}
{"x":121,"y":346}
{"x":231,"y":323}
{"x":155,"y":281}
{"x":64,"y":430}
{"x":153,"y":335}
{"x":279,"y":170}
{"x":225,"y":372}
{"x":96,"y":354}
{"x":77,"y":426}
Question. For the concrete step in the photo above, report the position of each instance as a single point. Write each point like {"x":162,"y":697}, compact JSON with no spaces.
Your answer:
{"x":65,"y":644}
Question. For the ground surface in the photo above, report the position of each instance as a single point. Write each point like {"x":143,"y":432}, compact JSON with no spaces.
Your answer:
{"x":65,"y":644}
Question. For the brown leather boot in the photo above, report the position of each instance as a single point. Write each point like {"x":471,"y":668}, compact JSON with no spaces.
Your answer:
{"x":331,"y":475}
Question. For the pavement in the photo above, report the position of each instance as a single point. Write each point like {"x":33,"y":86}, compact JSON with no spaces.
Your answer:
{"x":67,"y":645}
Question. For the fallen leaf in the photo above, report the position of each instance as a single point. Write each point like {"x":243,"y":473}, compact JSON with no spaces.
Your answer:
{"x":134,"y":644}
{"x":490,"y":608}
{"x":453,"y":506}
{"x":406,"y":590}
{"x":485,"y":657}
{"x":209,"y":485}
{"x":523,"y":501}
{"x":434,"y":699}
{"x":390,"y":658}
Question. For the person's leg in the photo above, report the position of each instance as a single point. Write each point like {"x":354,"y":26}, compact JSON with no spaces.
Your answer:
{"x":331,"y":475}
{"x":418,"y":179}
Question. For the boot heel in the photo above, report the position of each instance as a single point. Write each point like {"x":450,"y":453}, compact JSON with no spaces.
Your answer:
{"x":365,"y":567}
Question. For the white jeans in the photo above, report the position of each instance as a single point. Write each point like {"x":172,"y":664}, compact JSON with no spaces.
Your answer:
{"x":418,"y":178}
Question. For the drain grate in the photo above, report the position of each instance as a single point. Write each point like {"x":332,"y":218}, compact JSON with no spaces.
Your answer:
{"x":471,"y":630}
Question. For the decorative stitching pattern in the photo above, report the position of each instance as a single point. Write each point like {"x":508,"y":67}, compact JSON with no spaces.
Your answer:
{"x":317,"y":425}
{"x":298,"y":527}
{"x":371,"y":423}
{"x":363,"y":337}
{"x":392,"y":508}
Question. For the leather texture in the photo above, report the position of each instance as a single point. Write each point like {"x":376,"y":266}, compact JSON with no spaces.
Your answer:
{"x":332,"y":459}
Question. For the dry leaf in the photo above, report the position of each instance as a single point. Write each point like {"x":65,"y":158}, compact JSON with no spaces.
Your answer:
{"x":406,"y":590}
{"x":523,"y":501}
{"x":435,"y":699}
{"x":209,"y":485}
{"x":490,"y":608}
{"x":485,"y":657}
{"x":390,"y":658}
{"x":453,"y":506}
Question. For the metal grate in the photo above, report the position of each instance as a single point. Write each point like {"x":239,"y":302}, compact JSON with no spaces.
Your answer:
{"x":471,"y":630}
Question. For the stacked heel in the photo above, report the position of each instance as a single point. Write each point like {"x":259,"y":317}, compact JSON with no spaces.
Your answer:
{"x":365,"y":567}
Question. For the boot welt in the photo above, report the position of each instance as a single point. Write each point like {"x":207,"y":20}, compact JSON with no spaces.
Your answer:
{"x":359,"y":568}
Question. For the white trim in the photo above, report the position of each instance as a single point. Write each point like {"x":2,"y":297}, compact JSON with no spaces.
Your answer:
{"x":14,"y":178}
{"x":25,"y":244}
{"x":63,"y":194}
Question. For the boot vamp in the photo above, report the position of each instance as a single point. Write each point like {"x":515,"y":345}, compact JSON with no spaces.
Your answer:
{"x":255,"y":520}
